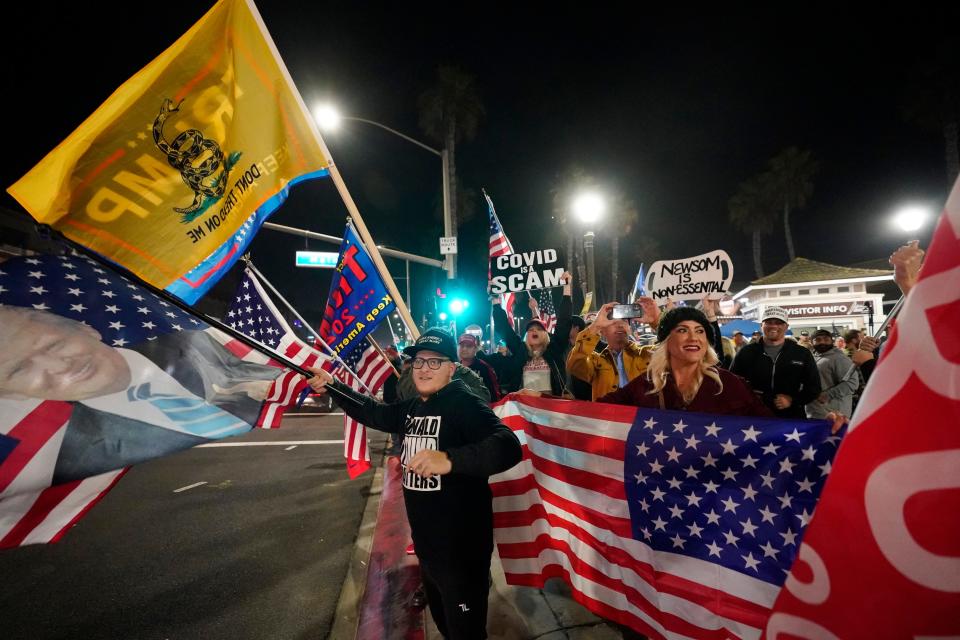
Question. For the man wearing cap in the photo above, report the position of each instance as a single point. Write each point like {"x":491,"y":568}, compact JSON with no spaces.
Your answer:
{"x":839,"y":378}
{"x":452,"y":444}
{"x":467,"y":347}
{"x":782,"y":371}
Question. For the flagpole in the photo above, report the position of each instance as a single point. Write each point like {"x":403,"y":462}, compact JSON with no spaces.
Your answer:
{"x":337,"y":179}
{"x":890,"y":316}
{"x":48,"y":231}
{"x":333,"y":353}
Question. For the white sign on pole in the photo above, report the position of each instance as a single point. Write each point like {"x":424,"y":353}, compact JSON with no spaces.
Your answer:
{"x":448,"y":245}
{"x":709,"y":274}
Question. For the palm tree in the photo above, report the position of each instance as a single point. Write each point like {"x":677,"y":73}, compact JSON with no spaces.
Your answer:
{"x":451,"y":111}
{"x":750,"y":212}
{"x":790,"y":184}
{"x":623,"y":215}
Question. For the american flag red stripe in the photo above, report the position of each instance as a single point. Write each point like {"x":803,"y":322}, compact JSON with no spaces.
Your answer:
{"x":46,"y":515}
{"x":287,"y":387}
{"x":499,"y":245}
{"x":566,"y":514}
{"x":373,"y":369}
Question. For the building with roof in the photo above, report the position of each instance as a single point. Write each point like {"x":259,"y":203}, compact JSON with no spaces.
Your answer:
{"x":819,"y":295}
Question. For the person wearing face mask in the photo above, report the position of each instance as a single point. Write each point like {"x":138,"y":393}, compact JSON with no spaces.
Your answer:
{"x":839,"y":378}
{"x":683,"y":373}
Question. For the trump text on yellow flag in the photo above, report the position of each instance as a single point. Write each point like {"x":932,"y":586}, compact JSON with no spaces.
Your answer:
{"x":174,"y":174}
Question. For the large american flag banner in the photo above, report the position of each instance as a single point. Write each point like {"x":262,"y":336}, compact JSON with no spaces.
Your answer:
{"x":882,"y":557}
{"x":675,"y":524}
{"x":499,"y":246}
{"x":254,"y":314}
{"x":77,"y":292}
{"x":373,"y":370}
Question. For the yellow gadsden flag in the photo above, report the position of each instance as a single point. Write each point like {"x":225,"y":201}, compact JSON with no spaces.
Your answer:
{"x":173,"y":175}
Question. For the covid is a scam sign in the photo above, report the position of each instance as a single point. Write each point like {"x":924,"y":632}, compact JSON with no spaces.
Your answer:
{"x":541,"y":269}
{"x":706,"y":275}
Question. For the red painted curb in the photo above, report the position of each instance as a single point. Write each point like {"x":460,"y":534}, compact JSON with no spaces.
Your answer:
{"x":392,"y":575}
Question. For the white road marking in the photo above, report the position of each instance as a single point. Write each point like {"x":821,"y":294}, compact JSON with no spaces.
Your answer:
{"x":291,"y":447}
{"x":297,"y":415}
{"x":279,"y":443}
{"x":190,"y":486}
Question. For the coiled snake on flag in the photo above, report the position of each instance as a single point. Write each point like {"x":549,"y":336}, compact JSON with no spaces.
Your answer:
{"x":209,"y":178}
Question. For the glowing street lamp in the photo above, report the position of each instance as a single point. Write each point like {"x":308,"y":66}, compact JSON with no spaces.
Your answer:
{"x":910,"y":219}
{"x":327,"y":117}
{"x":589,"y":207}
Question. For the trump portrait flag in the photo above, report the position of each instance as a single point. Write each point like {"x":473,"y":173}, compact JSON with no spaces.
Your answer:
{"x":97,"y":374}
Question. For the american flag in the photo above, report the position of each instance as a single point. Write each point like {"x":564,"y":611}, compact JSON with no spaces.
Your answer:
{"x":675,"y":524}
{"x":373,"y":370}
{"x":548,"y":313}
{"x":881,"y":554}
{"x":253,"y":314}
{"x":499,"y":246}
{"x":127,"y":318}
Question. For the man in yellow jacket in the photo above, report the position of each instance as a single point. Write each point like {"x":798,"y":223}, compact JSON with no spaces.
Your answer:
{"x":620,"y":361}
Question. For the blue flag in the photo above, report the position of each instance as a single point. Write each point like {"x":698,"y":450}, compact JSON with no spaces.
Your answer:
{"x":358,"y":297}
{"x":639,"y":288}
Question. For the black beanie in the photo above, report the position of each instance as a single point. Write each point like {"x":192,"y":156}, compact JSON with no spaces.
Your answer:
{"x":672,"y":318}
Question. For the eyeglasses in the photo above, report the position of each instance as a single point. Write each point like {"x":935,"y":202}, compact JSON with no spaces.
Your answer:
{"x":433,"y":363}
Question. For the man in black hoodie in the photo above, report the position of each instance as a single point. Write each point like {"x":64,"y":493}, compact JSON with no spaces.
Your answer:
{"x":452,"y":444}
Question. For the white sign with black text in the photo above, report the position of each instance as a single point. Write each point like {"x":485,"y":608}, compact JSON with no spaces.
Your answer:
{"x":529,"y":271}
{"x":707,"y":275}
{"x":448,"y":245}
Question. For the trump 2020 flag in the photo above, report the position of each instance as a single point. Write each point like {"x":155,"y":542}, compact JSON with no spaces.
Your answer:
{"x":97,"y":374}
{"x":676,"y":524}
{"x":882,"y":557}
{"x":358,"y":298}
{"x":174,"y":174}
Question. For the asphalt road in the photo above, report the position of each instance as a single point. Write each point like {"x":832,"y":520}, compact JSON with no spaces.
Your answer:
{"x":258,"y":551}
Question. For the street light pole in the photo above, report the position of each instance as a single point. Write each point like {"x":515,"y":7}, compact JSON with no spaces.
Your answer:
{"x":591,"y":272}
{"x":450,"y":260}
{"x":589,"y":207}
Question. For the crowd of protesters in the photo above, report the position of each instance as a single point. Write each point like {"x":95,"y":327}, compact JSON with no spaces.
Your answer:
{"x":690,"y":367}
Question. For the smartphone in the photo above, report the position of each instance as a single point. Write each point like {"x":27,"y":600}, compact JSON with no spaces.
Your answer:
{"x":625,"y":311}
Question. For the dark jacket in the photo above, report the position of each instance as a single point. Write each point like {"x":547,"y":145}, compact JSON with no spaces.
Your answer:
{"x":794,"y":374}
{"x":559,"y":342}
{"x":736,"y":398}
{"x":449,"y":515}
{"x":488,"y":375}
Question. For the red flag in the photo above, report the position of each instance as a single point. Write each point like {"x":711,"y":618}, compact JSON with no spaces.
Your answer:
{"x":882,"y":556}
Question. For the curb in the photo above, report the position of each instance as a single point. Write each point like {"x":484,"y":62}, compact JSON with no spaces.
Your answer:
{"x":347,"y":614}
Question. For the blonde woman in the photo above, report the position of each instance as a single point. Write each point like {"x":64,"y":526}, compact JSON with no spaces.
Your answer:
{"x":683,"y":373}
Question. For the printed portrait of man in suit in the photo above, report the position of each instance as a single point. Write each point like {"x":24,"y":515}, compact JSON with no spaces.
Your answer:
{"x":128,"y":404}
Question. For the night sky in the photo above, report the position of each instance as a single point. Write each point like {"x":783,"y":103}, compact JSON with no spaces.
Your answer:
{"x":673,"y":108}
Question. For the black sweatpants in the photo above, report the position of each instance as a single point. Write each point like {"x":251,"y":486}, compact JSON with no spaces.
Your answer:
{"x":457,"y":595}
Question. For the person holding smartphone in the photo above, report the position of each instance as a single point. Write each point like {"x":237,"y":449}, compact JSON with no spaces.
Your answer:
{"x":621,"y":360}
